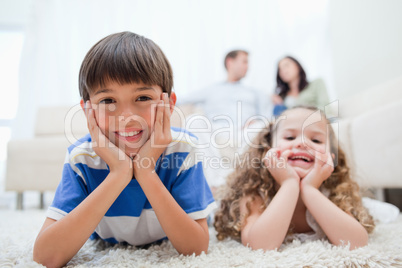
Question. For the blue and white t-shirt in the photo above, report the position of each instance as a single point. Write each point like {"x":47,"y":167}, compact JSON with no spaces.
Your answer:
{"x":131,"y":218}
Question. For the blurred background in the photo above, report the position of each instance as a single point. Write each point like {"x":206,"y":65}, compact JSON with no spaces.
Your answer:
{"x":350,"y":44}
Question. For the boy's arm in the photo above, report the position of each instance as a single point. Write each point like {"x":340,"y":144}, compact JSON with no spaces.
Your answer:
{"x":188,"y":236}
{"x":339,"y":226}
{"x":59,"y":241}
{"x":266,"y":230}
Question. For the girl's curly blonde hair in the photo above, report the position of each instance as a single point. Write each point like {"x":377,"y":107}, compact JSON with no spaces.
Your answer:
{"x":255,"y":180}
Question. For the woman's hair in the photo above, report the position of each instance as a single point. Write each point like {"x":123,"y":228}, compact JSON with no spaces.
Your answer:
{"x":255,"y":181}
{"x":282,"y":88}
{"x":124,"y":58}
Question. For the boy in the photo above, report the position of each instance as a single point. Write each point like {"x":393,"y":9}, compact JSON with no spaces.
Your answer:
{"x":132,"y":179}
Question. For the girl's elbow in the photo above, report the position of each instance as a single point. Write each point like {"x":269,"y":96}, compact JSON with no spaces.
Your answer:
{"x":356,"y":243}
{"x":360,"y":243}
{"x":266,"y":246}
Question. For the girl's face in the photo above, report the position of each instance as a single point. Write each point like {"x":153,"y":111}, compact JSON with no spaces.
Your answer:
{"x":126,"y":113}
{"x":304,"y":132}
{"x":288,"y":70}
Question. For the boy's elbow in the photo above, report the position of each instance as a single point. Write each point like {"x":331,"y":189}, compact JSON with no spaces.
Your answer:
{"x":197,"y":249}
{"x":47,"y":260}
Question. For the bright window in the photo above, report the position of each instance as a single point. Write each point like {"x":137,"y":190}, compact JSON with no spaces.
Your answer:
{"x":10,"y":54}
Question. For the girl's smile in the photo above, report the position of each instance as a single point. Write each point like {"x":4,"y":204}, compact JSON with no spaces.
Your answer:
{"x":301,"y":159}
{"x":304,"y":133}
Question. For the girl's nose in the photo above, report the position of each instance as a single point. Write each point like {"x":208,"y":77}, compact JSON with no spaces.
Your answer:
{"x":300,"y":143}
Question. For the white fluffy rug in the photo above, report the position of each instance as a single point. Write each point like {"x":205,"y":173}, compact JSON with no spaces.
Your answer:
{"x":19,"y":229}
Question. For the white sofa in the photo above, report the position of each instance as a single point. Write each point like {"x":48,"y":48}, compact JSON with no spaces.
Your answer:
{"x":36,"y":164}
{"x":370,"y":132}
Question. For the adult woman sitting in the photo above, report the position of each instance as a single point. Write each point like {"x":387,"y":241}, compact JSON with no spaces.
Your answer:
{"x":293,"y":89}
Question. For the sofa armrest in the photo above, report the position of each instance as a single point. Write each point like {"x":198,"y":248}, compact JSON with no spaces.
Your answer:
{"x":35,"y":164}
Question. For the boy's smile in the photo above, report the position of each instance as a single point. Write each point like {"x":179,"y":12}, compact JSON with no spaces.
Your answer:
{"x":126,"y":113}
{"x":129,"y":134}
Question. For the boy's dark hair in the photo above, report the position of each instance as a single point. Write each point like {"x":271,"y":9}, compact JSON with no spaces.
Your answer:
{"x":124,"y":58}
{"x":232,"y":55}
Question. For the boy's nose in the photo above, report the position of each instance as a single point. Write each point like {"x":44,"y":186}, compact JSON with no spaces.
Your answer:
{"x":127,"y":111}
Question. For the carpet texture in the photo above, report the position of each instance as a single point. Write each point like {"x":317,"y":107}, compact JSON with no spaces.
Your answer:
{"x":19,"y":229}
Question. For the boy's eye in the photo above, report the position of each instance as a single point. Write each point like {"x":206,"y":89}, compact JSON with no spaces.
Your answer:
{"x":107,"y":101}
{"x":143,"y":98}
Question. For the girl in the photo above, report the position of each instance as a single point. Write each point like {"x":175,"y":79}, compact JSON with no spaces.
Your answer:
{"x":293,"y":89}
{"x":288,"y":186}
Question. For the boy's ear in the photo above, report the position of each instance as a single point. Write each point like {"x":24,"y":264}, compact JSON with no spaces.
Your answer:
{"x":82,"y":103}
{"x":172,"y":101}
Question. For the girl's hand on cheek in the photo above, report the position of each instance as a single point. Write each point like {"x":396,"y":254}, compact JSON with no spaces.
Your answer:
{"x":160,"y":138}
{"x":277,"y":164}
{"x":322,"y":170}
{"x":116,"y":159}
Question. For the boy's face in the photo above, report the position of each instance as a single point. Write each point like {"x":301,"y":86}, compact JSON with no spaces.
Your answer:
{"x":304,"y":132}
{"x":126,"y":113}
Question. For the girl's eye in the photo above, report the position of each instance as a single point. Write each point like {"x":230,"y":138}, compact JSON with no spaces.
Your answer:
{"x":143,"y":98}
{"x":316,"y":141}
{"x":107,"y":101}
{"x":289,"y":138}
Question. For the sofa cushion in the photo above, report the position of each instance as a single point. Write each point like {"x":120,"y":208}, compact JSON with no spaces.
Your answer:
{"x":375,"y":138}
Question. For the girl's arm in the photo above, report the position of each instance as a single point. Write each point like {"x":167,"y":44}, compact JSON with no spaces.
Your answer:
{"x":339,"y":226}
{"x":59,"y":241}
{"x":267,"y":230}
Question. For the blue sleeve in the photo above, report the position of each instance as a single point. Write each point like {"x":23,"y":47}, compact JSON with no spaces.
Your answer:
{"x":192,"y":193}
{"x":70,"y":192}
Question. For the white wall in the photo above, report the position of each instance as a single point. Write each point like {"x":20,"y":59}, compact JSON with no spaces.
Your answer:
{"x":366,"y":43}
{"x":14,"y":13}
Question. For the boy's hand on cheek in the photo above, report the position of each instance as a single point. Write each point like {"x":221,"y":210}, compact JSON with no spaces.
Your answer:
{"x":161,"y":137}
{"x":322,"y":169}
{"x":277,"y":164}
{"x":116,"y":159}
